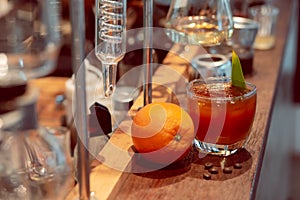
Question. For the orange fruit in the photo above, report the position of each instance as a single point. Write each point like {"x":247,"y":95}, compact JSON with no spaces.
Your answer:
{"x":162,"y":132}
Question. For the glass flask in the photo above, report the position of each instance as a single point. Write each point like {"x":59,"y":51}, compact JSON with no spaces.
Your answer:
{"x":200,"y":22}
{"x":34,"y":165}
{"x":49,"y":164}
{"x":13,"y":181}
{"x":35,"y":161}
{"x":29,"y":36}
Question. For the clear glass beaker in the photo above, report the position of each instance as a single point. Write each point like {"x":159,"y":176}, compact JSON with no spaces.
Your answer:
{"x":204,"y":22}
{"x":34,"y":164}
{"x":30,"y":38}
{"x":35,"y":161}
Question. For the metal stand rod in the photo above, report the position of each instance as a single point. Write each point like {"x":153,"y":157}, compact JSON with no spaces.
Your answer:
{"x":147,"y":53}
{"x":78,"y":39}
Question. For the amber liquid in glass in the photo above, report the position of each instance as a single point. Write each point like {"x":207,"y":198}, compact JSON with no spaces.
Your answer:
{"x":222,"y":115}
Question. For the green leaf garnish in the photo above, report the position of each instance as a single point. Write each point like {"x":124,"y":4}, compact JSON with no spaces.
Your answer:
{"x":237,"y":77}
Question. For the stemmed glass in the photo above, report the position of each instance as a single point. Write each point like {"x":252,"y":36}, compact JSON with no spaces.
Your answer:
{"x":110,"y":39}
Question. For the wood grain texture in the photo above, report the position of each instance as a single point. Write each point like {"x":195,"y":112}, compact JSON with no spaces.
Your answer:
{"x":49,"y":114}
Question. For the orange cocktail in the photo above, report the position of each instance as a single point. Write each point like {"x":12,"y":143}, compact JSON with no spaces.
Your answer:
{"x":222,"y":114}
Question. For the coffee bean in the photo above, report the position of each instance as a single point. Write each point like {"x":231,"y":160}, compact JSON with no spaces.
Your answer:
{"x":227,"y":170}
{"x":208,"y":165}
{"x":213,"y":170}
{"x":237,"y":165}
{"x":206,"y":176}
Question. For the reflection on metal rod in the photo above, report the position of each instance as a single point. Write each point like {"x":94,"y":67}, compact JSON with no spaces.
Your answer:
{"x":147,"y":56}
{"x":78,"y":38}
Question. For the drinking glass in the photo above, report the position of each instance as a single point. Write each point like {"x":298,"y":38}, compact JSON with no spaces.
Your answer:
{"x":266,"y":16}
{"x":210,"y":65}
{"x":222,"y":114}
{"x":245,"y":31}
{"x":205,"y":22}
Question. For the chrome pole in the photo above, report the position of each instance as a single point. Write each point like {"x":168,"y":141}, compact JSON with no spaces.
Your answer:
{"x":147,"y":53}
{"x":78,"y":40}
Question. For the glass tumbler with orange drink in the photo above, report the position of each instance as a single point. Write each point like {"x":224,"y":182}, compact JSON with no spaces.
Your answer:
{"x":223,"y":114}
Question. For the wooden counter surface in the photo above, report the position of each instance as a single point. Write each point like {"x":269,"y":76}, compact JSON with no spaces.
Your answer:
{"x":49,"y":114}
{"x":185,"y":180}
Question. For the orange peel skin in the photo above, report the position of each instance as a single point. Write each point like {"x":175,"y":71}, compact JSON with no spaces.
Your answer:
{"x":162,"y":132}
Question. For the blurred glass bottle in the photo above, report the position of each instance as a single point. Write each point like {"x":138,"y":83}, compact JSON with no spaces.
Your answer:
{"x":13,"y":181}
{"x":35,"y":160}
